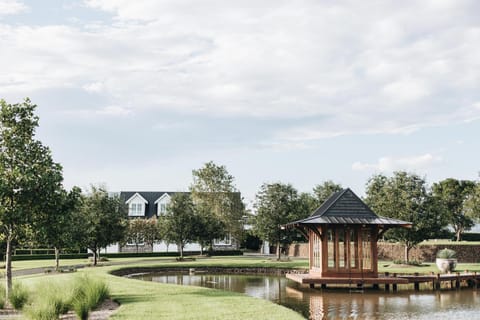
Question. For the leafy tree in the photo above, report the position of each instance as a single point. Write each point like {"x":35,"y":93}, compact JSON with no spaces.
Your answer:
{"x":28,"y":175}
{"x":57,"y":226}
{"x":142,"y":231}
{"x":404,"y":196}
{"x":323,"y":191}
{"x":214,"y":193}
{"x":208,"y":227}
{"x":472,"y":203}
{"x":104,"y":220}
{"x":452,"y":194}
{"x":276,"y":205}
{"x":307,"y":203}
{"x":179,"y":223}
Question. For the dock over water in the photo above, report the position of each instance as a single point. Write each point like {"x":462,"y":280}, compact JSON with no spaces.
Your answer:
{"x":452,"y":280}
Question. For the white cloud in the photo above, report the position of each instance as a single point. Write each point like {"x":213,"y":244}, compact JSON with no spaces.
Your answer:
{"x":94,"y":87}
{"x":360,"y":69}
{"x":409,"y":163}
{"x":114,"y":111}
{"x":8,"y":7}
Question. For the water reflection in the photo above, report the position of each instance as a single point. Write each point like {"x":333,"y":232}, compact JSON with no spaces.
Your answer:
{"x":319,"y":304}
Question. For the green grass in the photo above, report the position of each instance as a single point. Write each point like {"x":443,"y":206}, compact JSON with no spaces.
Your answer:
{"x":149,"y":300}
{"x":449,"y":242}
{"x":424,"y":268}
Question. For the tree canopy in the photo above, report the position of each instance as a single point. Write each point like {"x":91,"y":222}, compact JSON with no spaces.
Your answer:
{"x":28,"y":175}
{"x":214,"y":193}
{"x":452,"y":195}
{"x":277,"y":205}
{"x":404,"y":196}
{"x":179,"y":224}
{"x":104,"y":220}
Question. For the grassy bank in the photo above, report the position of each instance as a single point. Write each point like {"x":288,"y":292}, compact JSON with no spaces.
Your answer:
{"x":148,"y":300}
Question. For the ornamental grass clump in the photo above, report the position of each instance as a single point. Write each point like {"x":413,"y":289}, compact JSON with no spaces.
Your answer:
{"x":88,"y":293}
{"x":19,"y":296}
{"x":446,"y":254}
{"x":51,"y":300}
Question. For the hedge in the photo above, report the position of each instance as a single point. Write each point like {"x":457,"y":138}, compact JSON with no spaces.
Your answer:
{"x":169,"y":254}
{"x":20,"y":257}
{"x":471,"y":236}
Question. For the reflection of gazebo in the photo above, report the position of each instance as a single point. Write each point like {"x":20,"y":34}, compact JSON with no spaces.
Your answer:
{"x":343,"y":236}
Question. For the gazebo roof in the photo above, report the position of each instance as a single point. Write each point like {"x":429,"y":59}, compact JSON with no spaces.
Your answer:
{"x":345,"y":207}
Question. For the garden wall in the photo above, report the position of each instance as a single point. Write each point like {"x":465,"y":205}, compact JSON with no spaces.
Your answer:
{"x":392,"y":251}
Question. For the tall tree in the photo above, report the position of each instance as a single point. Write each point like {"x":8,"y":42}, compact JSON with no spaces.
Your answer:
{"x":276,"y":205}
{"x":472,"y":203}
{"x":214,"y":193}
{"x":180,"y":221}
{"x":404,"y":196}
{"x":323,"y":191}
{"x":104,"y":220}
{"x":208,"y":227}
{"x":452,"y":194}
{"x":28,"y":175}
{"x":56,"y":226}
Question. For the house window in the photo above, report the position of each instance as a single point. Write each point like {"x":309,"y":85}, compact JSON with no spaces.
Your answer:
{"x":223,"y":242}
{"x":136,"y":209}
{"x":163,"y":208}
{"x":137,"y":241}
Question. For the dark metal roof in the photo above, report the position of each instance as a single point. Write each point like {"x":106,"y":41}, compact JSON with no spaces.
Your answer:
{"x":345,"y":207}
{"x":150,"y":196}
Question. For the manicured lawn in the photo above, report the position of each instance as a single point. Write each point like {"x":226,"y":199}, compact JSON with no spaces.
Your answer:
{"x":149,"y":300}
{"x":449,"y":242}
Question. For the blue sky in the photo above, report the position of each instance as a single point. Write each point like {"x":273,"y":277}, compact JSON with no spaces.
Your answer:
{"x":136,"y":94}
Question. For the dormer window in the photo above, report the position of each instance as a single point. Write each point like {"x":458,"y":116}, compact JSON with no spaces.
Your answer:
{"x":136,"y":209}
{"x":162,"y":204}
{"x":136,"y":205}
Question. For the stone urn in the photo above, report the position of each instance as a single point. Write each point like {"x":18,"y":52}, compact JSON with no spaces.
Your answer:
{"x":446,"y":265}
{"x":446,"y":260}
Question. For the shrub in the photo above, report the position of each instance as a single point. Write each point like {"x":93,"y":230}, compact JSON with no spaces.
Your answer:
{"x":18,"y":296}
{"x":52,"y":300}
{"x":446,"y":254}
{"x":88,"y":293}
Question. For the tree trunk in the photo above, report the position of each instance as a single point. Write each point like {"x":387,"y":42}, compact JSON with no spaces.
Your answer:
{"x":458,"y":234}
{"x":279,"y":253}
{"x":136,"y":247}
{"x":8,"y":266}
{"x":180,"y":247}
{"x":57,"y":259}
{"x":95,"y":257}
{"x":407,"y":252}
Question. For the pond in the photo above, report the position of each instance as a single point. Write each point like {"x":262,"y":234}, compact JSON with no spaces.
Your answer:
{"x":336,"y":303}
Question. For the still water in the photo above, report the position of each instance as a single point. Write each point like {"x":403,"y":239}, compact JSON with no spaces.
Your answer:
{"x":340,"y":303}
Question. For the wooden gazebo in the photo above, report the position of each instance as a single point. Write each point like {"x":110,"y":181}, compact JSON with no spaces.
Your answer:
{"x":342,"y":236}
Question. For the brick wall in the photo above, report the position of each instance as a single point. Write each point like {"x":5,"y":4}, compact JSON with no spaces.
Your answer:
{"x":394,"y":251}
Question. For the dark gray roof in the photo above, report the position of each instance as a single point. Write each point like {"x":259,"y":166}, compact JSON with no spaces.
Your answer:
{"x":345,"y":207}
{"x":150,"y":196}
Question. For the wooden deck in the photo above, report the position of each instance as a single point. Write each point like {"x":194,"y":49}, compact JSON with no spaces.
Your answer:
{"x":454,"y":279}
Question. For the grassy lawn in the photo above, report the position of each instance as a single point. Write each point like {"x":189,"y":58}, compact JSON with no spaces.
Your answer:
{"x":424,"y":268}
{"x":149,"y":300}
{"x":449,"y":242}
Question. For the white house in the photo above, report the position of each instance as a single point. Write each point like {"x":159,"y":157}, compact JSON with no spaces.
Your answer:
{"x":153,"y":204}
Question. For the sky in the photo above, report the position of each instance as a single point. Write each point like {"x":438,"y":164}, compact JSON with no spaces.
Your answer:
{"x":137,"y":94}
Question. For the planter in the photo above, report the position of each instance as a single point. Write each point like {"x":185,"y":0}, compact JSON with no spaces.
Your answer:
{"x":446,"y":265}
